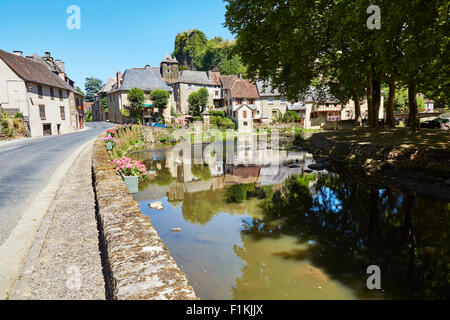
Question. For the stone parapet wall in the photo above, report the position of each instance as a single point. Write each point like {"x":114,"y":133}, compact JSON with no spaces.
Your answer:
{"x":139,"y":264}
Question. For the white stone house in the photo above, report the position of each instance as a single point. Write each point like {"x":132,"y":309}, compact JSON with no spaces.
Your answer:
{"x":191,"y":81}
{"x":49,"y":104}
{"x":273,"y":103}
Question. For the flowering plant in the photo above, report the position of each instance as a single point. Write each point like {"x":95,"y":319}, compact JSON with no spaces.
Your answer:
{"x":113,"y":132}
{"x":111,"y":139}
{"x":130,"y":167}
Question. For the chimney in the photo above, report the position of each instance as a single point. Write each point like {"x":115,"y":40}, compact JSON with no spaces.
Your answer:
{"x":147,"y":66}
{"x":61,"y":65}
{"x":18,"y":53}
{"x":118,"y":79}
{"x":47,"y":54}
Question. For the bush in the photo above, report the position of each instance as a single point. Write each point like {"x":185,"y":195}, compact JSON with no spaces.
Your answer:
{"x":125,"y":113}
{"x":222,"y":122}
{"x":291,"y":116}
{"x":217,"y":114}
{"x":19,"y":115}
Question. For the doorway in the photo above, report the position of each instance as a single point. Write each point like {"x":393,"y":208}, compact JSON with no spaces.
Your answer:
{"x":47,"y":129}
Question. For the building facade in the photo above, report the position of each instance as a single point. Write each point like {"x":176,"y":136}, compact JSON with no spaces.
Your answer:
{"x":49,"y":104}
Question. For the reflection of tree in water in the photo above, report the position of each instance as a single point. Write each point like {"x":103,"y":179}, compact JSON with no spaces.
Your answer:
{"x":162,"y":177}
{"x":202,"y":207}
{"x":353,"y":225}
{"x":201,"y":171}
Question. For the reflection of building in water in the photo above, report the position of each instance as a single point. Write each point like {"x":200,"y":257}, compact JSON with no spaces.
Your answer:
{"x":251,"y":163}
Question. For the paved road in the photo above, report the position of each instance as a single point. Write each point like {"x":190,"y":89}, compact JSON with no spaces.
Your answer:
{"x":27,"y":165}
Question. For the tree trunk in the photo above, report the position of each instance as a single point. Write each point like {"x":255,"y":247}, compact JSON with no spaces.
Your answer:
{"x":358,"y":120}
{"x":376,"y":102}
{"x":369,"y":97}
{"x":413,"y":114}
{"x":390,"y":104}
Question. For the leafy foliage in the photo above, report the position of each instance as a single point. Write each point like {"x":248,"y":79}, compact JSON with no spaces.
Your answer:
{"x":137,"y":98}
{"x":198,"y":101}
{"x":92,"y":86}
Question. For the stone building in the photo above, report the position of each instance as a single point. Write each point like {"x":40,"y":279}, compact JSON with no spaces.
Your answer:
{"x":169,"y":69}
{"x":98,"y":112}
{"x":39,"y":89}
{"x":189,"y":82}
{"x":147,"y":79}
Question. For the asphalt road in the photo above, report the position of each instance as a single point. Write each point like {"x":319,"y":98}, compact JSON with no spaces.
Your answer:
{"x":26,"y":167}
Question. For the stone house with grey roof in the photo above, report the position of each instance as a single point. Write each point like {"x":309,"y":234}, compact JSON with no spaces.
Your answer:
{"x":40,"y":89}
{"x":147,"y":79}
{"x":189,"y":82}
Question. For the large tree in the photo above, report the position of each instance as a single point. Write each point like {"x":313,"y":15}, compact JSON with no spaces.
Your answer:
{"x":137,"y":98}
{"x":198,"y":101}
{"x":92,"y":86}
{"x":299,"y":43}
{"x":160,"y":99}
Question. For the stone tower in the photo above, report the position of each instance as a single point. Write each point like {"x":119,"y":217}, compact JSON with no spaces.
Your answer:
{"x":169,"y":69}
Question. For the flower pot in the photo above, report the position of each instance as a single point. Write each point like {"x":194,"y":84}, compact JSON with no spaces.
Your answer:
{"x":132,"y":183}
{"x":109,"y":146}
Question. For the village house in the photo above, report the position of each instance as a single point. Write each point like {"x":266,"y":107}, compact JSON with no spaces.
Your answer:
{"x":98,"y":112}
{"x":146,"y":79}
{"x":272,"y":103}
{"x":243,"y":104}
{"x":40,"y":89}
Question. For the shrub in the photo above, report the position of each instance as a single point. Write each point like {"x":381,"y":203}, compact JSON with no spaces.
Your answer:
{"x":291,"y":116}
{"x":125,"y":113}
{"x":19,"y":115}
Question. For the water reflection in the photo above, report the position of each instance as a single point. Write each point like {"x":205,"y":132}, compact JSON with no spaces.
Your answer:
{"x":263,"y":231}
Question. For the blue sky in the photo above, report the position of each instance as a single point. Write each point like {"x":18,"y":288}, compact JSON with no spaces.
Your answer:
{"x":114,"y":35}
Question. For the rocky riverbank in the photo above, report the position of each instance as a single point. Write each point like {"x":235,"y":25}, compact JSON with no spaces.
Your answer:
{"x":425,"y":171}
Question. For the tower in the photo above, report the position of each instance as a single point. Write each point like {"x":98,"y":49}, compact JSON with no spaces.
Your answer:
{"x":169,"y":69}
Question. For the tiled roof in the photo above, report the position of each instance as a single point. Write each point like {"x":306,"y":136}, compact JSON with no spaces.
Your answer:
{"x":195,"y":77}
{"x":215,"y":78}
{"x":244,"y":89}
{"x":32,"y":71}
{"x":146,"y":79}
{"x":228,"y":81}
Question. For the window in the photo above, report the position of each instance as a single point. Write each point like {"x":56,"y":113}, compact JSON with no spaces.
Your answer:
{"x":245,"y":114}
{"x":270,"y":100}
{"x":40,"y":91}
{"x":245,"y":124}
{"x":60,"y":95}
{"x":63,"y":113}
{"x":283,"y":100}
{"x":52,"y":93}
{"x":42,"y":111}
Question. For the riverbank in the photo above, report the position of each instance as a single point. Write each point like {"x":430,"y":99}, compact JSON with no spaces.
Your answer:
{"x":419,"y":163}
{"x":139,"y":266}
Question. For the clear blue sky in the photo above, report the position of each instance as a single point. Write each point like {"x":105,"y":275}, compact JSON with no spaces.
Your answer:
{"x":114,"y":35}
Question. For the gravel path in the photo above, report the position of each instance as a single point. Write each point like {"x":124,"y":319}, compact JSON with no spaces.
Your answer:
{"x":68,"y":264}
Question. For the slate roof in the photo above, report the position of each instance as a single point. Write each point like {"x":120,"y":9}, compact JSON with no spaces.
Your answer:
{"x":265,"y":89}
{"x":251,"y":106}
{"x":146,"y":79}
{"x":110,"y":83}
{"x":296,"y":107}
{"x":32,"y":71}
{"x":244,"y":89}
{"x":169,"y":58}
{"x":315,"y":95}
{"x":195,"y":77}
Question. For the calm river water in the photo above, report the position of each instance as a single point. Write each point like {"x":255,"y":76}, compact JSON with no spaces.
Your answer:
{"x":256,"y":225}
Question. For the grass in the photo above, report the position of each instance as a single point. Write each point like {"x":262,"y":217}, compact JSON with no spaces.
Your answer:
{"x":402,"y":137}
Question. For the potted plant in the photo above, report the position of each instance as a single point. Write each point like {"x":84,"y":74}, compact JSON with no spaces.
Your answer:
{"x":131,"y":171}
{"x":109,"y":142}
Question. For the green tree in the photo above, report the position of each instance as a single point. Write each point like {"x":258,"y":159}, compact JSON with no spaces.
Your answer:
{"x":190,"y":48}
{"x":198,"y":101}
{"x":160,"y":99}
{"x":92,"y":86}
{"x":137,"y":98}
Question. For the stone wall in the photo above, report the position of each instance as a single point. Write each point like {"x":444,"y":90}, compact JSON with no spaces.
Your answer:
{"x":139,"y":264}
